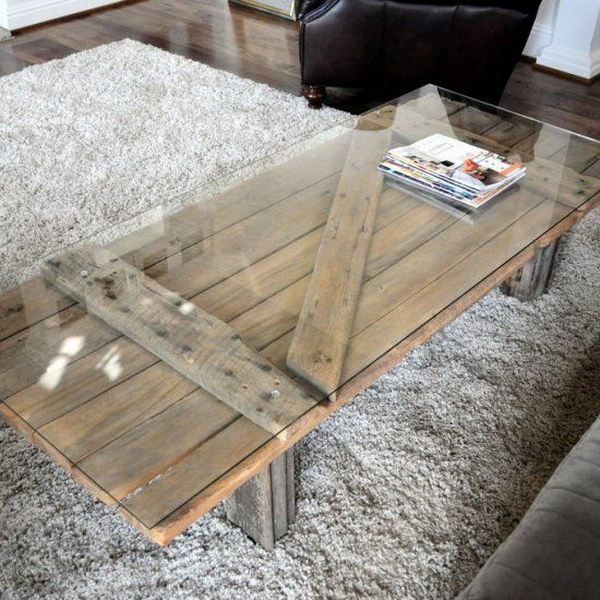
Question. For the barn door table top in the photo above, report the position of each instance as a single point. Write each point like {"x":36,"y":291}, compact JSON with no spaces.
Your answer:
{"x":167,"y":385}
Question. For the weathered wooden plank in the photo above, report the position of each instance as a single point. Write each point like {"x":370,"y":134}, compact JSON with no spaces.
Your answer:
{"x":251,"y":508}
{"x":265,"y":507}
{"x":579,"y":154}
{"x":411,"y":263}
{"x":198,"y":345}
{"x":531,"y":280}
{"x":64,"y":387}
{"x":561,"y":148}
{"x":512,"y":130}
{"x":427,"y":262}
{"x":420,"y":303}
{"x":544,"y":142}
{"x":248,"y":241}
{"x":278,"y":314}
{"x":105,"y":417}
{"x":323,"y":328}
{"x":275,"y":272}
{"x":593,"y":169}
{"x":197,"y":470}
{"x":149,"y":449}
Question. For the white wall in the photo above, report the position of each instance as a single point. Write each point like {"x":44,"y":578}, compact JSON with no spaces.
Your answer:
{"x":15,"y":14}
{"x":566,"y":37}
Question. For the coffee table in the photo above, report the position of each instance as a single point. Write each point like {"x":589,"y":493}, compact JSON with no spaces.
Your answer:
{"x":173,"y":361}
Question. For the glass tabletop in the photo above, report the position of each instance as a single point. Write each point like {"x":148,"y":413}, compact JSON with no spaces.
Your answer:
{"x":159,"y":354}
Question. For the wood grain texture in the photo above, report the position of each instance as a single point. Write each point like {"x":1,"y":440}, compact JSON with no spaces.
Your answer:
{"x":532,"y":280}
{"x":265,"y":506}
{"x":323,"y":328}
{"x":201,"y":347}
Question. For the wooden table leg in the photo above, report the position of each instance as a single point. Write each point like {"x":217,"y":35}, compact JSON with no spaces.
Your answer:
{"x":531,"y":280}
{"x":265,"y":506}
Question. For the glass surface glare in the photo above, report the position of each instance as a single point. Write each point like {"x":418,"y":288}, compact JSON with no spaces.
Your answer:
{"x":243,"y":249}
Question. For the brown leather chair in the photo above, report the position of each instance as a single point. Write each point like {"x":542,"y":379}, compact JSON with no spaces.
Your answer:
{"x":470,"y":47}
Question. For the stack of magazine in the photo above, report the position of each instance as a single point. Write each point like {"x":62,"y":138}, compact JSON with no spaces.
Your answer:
{"x":452,"y":171}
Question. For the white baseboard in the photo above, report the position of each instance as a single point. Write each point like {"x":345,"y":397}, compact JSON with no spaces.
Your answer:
{"x":570,"y":61}
{"x":23,"y":13}
{"x":540,"y":37}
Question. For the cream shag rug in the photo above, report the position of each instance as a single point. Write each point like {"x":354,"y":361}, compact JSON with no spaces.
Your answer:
{"x":404,"y":492}
{"x":102,"y":135}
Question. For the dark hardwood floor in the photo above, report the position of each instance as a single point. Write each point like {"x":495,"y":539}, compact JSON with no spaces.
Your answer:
{"x":265,"y":48}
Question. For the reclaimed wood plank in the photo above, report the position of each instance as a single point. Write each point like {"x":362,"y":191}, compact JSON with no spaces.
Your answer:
{"x":264,"y":278}
{"x":531,"y":280}
{"x":197,"y":470}
{"x":109,"y":415}
{"x":246,"y":242}
{"x":62,"y":388}
{"x":264,"y":507}
{"x":201,"y":347}
{"x":151,"y":448}
{"x":278,"y":314}
{"x":512,"y":130}
{"x":426,"y":299}
{"x":323,"y":327}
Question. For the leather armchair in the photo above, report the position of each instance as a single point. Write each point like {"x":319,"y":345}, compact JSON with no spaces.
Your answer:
{"x":469,"y":46}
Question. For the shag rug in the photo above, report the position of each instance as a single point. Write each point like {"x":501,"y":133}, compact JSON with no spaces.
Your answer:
{"x":401,"y":494}
{"x":98,"y":137}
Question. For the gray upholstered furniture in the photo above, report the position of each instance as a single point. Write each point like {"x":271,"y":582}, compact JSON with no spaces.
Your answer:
{"x":554,"y":553}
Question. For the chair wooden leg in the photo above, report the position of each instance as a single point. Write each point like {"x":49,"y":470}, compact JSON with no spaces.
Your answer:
{"x":531,"y":281}
{"x":315,"y":94}
{"x":265,"y":506}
